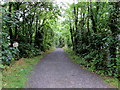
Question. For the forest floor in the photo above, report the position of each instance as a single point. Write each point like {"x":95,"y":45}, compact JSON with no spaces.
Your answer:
{"x":56,"y":70}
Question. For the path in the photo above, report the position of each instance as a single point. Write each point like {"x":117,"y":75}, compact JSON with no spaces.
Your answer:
{"x":56,"y":70}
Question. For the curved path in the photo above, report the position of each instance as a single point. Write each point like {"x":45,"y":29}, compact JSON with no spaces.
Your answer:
{"x":56,"y":70}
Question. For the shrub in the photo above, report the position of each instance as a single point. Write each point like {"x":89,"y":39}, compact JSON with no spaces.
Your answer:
{"x":27,"y":50}
{"x":8,"y":53}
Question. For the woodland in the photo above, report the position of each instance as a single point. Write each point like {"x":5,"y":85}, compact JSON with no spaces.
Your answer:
{"x":90,"y":29}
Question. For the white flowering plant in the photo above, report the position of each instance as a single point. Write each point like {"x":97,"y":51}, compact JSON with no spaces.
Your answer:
{"x":15,"y":44}
{"x":8,"y":53}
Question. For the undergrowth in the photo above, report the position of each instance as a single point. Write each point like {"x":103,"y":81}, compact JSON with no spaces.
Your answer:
{"x":113,"y":82}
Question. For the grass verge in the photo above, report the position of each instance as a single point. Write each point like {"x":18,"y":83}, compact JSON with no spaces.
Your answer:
{"x":15,"y":76}
{"x":113,"y":82}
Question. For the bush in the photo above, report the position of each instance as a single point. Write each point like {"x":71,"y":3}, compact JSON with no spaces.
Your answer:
{"x":8,"y":53}
{"x":27,"y":50}
{"x":96,"y":61}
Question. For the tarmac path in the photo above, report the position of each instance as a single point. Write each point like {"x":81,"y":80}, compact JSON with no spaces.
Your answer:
{"x":56,"y":70}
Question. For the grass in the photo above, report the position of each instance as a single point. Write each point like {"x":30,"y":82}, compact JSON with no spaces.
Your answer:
{"x":15,"y":76}
{"x":113,"y":82}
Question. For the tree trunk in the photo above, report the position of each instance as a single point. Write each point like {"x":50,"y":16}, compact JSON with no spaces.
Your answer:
{"x":16,"y":27}
{"x":9,"y":24}
{"x":93,"y":20}
{"x":71,"y":32}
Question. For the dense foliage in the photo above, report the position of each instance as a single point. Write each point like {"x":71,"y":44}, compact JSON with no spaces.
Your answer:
{"x":27,"y":29}
{"x":91,"y":29}
{"x":94,"y":29}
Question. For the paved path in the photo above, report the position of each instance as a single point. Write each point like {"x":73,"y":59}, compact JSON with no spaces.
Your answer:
{"x":56,"y":70}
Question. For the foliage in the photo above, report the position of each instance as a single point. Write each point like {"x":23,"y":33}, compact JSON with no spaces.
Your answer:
{"x":8,"y":53}
{"x":90,"y":29}
{"x":28,"y":50}
{"x":90,"y":66}
{"x":30,"y":25}
{"x":94,"y":30}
